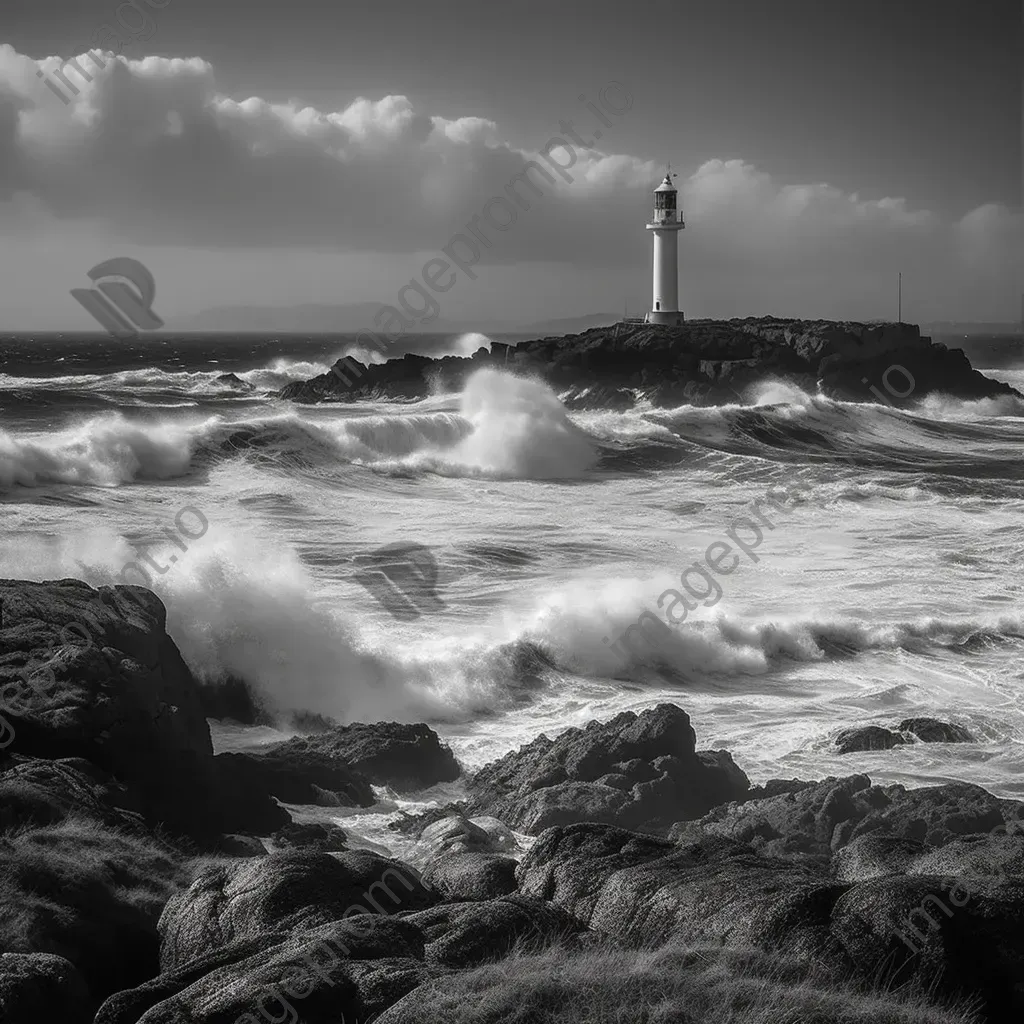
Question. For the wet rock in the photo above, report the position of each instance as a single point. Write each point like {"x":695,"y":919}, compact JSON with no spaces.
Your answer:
{"x":234,"y":382}
{"x":925,"y":730}
{"x":113,"y":691}
{"x":658,"y":776}
{"x":931,"y":730}
{"x":405,"y":757}
{"x":868,"y":737}
{"x":293,"y":778}
{"x":325,"y":837}
{"x":282,"y":892}
{"x":471,"y":876}
{"x":38,"y":987}
{"x":464,"y":934}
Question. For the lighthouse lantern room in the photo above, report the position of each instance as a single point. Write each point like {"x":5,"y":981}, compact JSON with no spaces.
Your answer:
{"x":665,"y":227}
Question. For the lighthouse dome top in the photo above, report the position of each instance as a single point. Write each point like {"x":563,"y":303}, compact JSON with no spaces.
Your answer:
{"x":666,"y":185}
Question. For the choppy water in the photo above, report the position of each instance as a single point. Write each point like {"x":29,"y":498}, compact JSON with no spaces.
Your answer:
{"x":891,"y":587}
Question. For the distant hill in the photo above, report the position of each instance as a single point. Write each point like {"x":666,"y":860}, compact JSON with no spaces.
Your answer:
{"x":348,"y":319}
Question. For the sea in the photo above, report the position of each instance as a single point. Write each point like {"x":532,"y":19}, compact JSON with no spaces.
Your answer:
{"x":888,"y":587}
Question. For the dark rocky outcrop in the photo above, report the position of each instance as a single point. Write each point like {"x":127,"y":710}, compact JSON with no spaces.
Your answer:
{"x":649,"y":891}
{"x":867,"y":737}
{"x":959,"y":936}
{"x":112,"y":690}
{"x":285,"y":891}
{"x":718,"y":357}
{"x":463,"y":934}
{"x":42,"y":987}
{"x":638,"y":771}
{"x":931,"y":730}
{"x":341,"y":970}
{"x":405,"y":757}
{"x":811,"y":820}
{"x":925,"y":730}
{"x":233,"y":381}
{"x":254,"y":777}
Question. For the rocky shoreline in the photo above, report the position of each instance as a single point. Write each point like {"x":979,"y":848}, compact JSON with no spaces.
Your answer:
{"x":148,"y":881}
{"x":710,"y":361}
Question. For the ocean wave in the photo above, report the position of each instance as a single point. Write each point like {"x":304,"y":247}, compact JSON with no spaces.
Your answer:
{"x":105,"y":451}
{"x":200,"y":383}
{"x":590,"y":628}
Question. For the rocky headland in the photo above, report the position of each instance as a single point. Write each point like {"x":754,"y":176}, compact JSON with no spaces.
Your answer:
{"x":604,"y":875}
{"x":703,"y":360}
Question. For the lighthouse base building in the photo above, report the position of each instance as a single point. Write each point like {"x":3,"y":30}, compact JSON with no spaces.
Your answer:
{"x":665,"y":228}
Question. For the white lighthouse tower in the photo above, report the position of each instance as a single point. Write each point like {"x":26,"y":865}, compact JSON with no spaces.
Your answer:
{"x":666,"y":226}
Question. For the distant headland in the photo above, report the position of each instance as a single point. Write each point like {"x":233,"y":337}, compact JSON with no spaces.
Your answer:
{"x":670,"y":365}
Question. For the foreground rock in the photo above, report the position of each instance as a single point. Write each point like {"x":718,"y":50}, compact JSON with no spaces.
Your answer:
{"x":282,"y":892}
{"x":340,"y":970}
{"x":42,"y":987}
{"x":717,"y":357}
{"x":92,"y":674}
{"x":637,"y":771}
{"x":939,"y":933}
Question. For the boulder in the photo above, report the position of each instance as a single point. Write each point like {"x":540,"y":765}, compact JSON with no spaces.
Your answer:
{"x":92,"y":674}
{"x":283,"y":892}
{"x":464,"y":934}
{"x":638,"y":771}
{"x":233,"y":381}
{"x":342,"y":970}
{"x":404,"y":757}
{"x":471,"y":876}
{"x":875,"y":855}
{"x":811,"y":820}
{"x":956,"y":936}
{"x":931,"y":730}
{"x":648,"y":891}
{"x":40,"y":987}
{"x":324,"y":837}
{"x":868,"y":737}
{"x":926,"y":730}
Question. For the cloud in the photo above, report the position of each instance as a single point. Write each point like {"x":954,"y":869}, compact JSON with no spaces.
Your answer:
{"x":152,"y":150}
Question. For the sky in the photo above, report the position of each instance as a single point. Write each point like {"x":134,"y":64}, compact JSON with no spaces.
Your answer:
{"x":313,"y":152}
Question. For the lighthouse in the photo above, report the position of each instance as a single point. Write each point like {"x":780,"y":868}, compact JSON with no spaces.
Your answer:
{"x":665,"y":226}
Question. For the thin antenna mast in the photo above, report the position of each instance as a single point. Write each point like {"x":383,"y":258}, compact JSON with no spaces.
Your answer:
{"x":899,"y":292}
